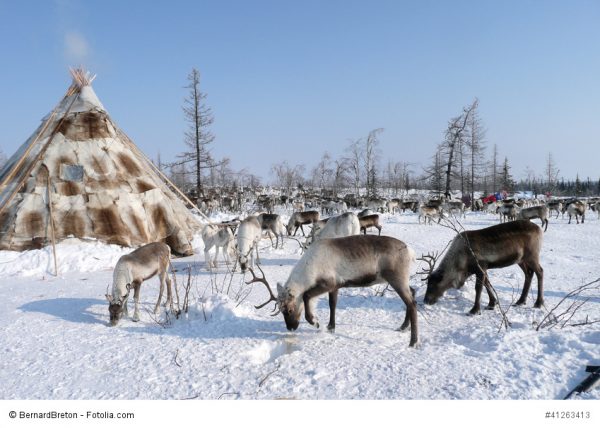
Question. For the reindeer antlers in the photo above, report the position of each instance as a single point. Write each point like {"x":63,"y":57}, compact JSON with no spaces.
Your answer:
{"x":264,"y":281}
{"x":431,"y":260}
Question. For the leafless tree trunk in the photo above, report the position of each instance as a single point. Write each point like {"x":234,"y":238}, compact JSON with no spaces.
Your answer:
{"x":454,"y":139}
{"x":370,"y":162}
{"x":322,"y":173}
{"x":475,"y":147}
{"x":340,"y":175}
{"x":354,"y":164}
{"x":551,"y":172}
{"x":197,"y":137}
{"x":494,"y":169}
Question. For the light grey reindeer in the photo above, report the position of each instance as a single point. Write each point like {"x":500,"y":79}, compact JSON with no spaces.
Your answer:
{"x":351,"y":261}
{"x":247,"y":239}
{"x":130,"y":271}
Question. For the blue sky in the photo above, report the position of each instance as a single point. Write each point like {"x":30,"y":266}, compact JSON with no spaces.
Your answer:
{"x":291,"y":79}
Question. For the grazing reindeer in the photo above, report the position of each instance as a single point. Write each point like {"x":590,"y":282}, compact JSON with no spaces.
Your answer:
{"x":218,"y":237}
{"x":352,"y":261}
{"x":597,"y":208}
{"x":577,"y":209}
{"x":473,"y":252}
{"x":131,"y":270}
{"x":369,"y":221}
{"x":540,"y":212}
{"x":247,"y":240}
{"x":272,"y":224}
{"x":298,"y":219}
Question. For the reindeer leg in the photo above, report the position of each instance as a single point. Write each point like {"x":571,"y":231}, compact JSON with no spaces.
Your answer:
{"x":169,"y":302}
{"x":333,"y":295}
{"x":478,"y":289}
{"x":309,"y":306}
{"x":491,"y":297}
{"x":407,"y":294}
{"x":160,"y":293}
{"x":539,"y":274}
{"x":214,"y":262}
{"x":207,"y":259}
{"x":526,"y":285}
{"x":310,"y":301}
{"x":136,"y":297}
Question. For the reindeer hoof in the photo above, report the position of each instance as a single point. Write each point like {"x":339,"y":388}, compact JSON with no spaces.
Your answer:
{"x":135,"y":319}
{"x":490,"y":307}
{"x":474,"y":312}
{"x":331,"y":329}
{"x":538,"y":305}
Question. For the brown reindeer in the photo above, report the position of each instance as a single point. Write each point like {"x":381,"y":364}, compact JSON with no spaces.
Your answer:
{"x":473,"y":252}
{"x":298,"y":219}
{"x":367,"y":221}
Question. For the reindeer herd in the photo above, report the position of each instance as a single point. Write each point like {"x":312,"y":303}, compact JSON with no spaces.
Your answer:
{"x":337,"y":255}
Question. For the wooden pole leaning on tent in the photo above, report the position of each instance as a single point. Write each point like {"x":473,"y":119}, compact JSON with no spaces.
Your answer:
{"x":52,"y":233}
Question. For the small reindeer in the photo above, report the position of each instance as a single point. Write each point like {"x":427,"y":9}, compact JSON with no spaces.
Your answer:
{"x":131,"y":270}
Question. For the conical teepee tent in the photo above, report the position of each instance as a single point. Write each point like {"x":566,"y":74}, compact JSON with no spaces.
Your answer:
{"x":80,"y":176}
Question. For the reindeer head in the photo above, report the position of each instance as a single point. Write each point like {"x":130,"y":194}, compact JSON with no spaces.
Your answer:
{"x":116,"y":306}
{"x":290,"y":227}
{"x":285,"y":302}
{"x":290,"y":306}
{"x":244,"y":257}
{"x":434,"y":279}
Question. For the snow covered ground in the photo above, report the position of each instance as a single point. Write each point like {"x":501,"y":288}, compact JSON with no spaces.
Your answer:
{"x":56,"y":343}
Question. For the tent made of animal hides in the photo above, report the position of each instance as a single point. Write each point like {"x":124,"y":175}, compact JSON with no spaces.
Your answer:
{"x":80,"y":176}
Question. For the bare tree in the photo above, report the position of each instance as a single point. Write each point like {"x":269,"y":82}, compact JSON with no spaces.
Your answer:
{"x":551,"y":172}
{"x":199,"y":117}
{"x":287,"y":177}
{"x":475,"y":145}
{"x":454,"y":139}
{"x":322,"y":173}
{"x":354,"y":163}
{"x":494,"y":169}
{"x":370,"y":162}
{"x":340,"y":175}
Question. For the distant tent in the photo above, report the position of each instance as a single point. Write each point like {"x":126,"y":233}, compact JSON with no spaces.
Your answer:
{"x":80,"y":176}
